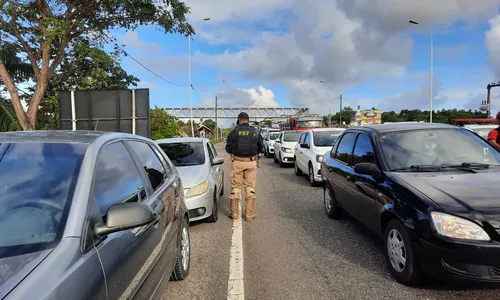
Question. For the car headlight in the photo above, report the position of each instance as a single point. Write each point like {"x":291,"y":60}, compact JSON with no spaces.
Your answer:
{"x":286,"y":150}
{"x":319,"y":158}
{"x":198,"y":189}
{"x":458,"y":228}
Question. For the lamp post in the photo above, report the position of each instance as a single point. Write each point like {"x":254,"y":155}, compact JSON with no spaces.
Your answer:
{"x":432,"y":60}
{"x":190,"y":83}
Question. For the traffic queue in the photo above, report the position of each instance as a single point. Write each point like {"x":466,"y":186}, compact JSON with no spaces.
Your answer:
{"x":428,"y":190}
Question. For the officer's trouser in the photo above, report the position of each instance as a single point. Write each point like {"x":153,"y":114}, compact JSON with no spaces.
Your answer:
{"x":243,"y":174}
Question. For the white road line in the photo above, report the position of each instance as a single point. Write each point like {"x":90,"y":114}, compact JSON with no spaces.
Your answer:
{"x":235,"y":286}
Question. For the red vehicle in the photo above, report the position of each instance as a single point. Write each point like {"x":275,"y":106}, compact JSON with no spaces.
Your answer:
{"x":302,"y":123}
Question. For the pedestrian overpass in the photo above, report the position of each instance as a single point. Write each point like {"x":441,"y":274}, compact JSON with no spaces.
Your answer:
{"x":255,"y":113}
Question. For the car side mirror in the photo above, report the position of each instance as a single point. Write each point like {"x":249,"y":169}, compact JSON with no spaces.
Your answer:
{"x":217,"y":161}
{"x":125,"y":216}
{"x":370,"y":170}
{"x":304,"y":145}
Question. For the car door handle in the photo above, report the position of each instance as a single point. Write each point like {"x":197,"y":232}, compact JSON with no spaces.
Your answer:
{"x":156,"y":221}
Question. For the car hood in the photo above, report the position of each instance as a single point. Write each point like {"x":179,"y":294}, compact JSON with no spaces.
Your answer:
{"x":470,"y":195}
{"x":321,"y":150}
{"x":193,"y":175}
{"x":14,"y":269}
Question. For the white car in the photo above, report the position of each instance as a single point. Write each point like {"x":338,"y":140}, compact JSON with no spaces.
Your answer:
{"x":310,"y":149}
{"x":481,"y":130}
{"x":201,"y":172}
{"x":272,"y":136}
{"x":284,"y":145}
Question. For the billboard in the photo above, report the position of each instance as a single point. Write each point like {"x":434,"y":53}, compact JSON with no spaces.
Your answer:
{"x":366,"y":117}
{"x":105,"y":110}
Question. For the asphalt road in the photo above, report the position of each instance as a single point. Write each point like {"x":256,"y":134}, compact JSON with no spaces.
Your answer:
{"x":294,"y":251}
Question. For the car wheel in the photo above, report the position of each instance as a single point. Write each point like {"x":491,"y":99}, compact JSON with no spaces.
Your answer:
{"x":215,"y":211}
{"x":312,"y":182}
{"x":269,"y":155}
{"x":333,"y":210}
{"x":298,"y":171}
{"x":275,"y":158}
{"x":183,"y":260}
{"x":400,"y":255}
{"x":265,"y":151}
{"x":222,"y":188}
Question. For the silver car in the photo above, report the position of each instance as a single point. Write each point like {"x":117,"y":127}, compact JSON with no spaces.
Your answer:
{"x":89,"y":215}
{"x":202,"y":174}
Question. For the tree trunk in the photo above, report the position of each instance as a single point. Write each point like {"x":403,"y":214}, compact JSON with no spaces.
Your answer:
{"x":14,"y":98}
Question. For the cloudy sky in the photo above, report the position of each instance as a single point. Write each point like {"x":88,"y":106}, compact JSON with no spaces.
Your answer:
{"x":272,"y":53}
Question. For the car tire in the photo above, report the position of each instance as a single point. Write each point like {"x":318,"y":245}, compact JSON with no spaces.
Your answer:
{"x":275,"y":158}
{"x":269,"y":155}
{"x":215,"y":211}
{"x":183,"y":260}
{"x":332,"y":209}
{"x":265,"y":152}
{"x":298,"y":171}
{"x":310,"y":176}
{"x":395,"y":237}
{"x":222,"y":188}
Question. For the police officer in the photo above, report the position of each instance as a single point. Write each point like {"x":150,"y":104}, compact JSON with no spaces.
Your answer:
{"x":245,"y":145}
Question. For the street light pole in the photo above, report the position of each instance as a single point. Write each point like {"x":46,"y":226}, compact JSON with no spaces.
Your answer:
{"x":190,"y":83}
{"x":432,"y":60}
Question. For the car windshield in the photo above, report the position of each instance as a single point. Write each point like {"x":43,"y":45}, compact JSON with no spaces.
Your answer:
{"x":307,"y":124}
{"x":185,"y":154}
{"x":38,"y":181}
{"x":436,"y":147}
{"x":274,"y":136}
{"x":325,"y":138}
{"x":291,"y":136}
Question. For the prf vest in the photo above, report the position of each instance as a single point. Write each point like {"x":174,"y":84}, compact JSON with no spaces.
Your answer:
{"x":247,"y":138}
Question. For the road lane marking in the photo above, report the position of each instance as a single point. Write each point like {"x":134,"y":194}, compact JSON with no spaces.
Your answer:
{"x":235,"y":286}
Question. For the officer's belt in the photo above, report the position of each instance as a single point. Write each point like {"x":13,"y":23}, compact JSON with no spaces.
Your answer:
{"x":239,"y":158}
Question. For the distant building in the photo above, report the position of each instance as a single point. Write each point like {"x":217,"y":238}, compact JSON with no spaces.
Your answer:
{"x":204,"y":131}
{"x":366,"y":117}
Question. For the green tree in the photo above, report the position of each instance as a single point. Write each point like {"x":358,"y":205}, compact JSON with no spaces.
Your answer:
{"x":163,"y":125}
{"x":390,"y":116}
{"x":85,"y":68}
{"x":47,"y":29}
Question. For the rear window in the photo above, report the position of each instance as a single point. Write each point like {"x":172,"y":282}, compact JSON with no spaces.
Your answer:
{"x":292,"y":136}
{"x":326,"y":138}
{"x":37,"y":182}
{"x":274,"y":136}
{"x":185,"y":154}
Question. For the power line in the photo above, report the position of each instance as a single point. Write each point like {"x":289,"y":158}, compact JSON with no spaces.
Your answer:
{"x":142,"y":65}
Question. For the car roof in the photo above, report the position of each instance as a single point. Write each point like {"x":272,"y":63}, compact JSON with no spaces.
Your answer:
{"x":326,"y":129}
{"x":480,"y":126}
{"x":293,"y":131}
{"x":394,"y":127}
{"x":182,"y":140}
{"x":62,"y":136}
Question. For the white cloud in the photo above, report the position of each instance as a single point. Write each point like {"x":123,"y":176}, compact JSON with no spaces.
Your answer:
{"x":492,"y":44}
{"x":131,"y":39}
{"x":257,"y":96}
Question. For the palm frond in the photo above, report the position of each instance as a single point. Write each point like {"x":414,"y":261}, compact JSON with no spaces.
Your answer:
{"x":8,"y":119}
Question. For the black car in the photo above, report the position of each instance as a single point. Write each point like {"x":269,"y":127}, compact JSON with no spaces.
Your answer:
{"x":432,"y":191}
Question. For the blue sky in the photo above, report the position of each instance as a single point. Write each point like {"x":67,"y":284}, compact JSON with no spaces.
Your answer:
{"x":277,"y":54}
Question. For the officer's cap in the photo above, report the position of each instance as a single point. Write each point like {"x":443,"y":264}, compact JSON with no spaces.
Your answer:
{"x":243,"y":115}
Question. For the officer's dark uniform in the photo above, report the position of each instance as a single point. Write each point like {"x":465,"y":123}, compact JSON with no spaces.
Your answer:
{"x":244,"y":143}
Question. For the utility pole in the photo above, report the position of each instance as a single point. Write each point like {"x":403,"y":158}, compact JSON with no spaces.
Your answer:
{"x":340,"y":113}
{"x":216,"y":122}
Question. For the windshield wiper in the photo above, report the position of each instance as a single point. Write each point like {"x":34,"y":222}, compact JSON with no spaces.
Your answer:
{"x":419,"y":168}
{"x":468,"y":165}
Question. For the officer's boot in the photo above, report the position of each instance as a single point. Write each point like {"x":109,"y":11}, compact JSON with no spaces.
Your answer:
{"x":250,"y":202}
{"x":234,"y":209}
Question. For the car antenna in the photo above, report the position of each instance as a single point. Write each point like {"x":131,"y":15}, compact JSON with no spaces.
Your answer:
{"x":96,"y":123}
